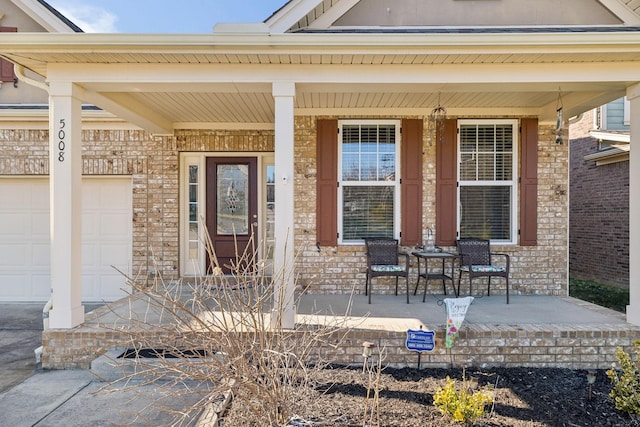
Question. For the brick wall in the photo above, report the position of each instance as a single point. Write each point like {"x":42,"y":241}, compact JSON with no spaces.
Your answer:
{"x":153,"y":164}
{"x":599,"y":206}
{"x":573,"y":346}
{"x":541,"y":269}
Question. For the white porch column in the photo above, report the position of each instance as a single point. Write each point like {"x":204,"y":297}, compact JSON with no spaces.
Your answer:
{"x":284,"y":314}
{"x":65,"y":181}
{"x":633,"y":309}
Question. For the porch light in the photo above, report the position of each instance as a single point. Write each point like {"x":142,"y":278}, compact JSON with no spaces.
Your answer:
{"x":436,"y":122}
{"x":559,"y":119}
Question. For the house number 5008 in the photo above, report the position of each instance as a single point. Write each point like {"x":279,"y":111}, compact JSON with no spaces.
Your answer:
{"x":62,"y":144}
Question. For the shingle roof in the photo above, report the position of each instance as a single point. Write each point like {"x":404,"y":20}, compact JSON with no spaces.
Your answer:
{"x":61,"y":17}
{"x":469,"y":30}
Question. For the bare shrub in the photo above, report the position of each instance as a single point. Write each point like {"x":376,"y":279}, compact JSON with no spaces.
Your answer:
{"x":373,"y":367}
{"x":214,"y":338}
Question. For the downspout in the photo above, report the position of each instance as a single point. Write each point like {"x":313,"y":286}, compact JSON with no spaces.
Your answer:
{"x":45,"y":314}
{"x":45,"y":326}
{"x":19,"y":71}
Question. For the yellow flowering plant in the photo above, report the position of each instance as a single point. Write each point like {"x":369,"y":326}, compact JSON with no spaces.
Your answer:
{"x":464,"y":405}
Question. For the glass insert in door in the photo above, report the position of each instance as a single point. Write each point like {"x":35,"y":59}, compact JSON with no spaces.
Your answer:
{"x":194,"y":234}
{"x":232,"y":199}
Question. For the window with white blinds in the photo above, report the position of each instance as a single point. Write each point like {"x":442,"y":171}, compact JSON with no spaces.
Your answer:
{"x":368,"y":195}
{"x":487,"y":191}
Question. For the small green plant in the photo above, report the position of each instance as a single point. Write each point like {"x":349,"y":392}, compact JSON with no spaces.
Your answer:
{"x":626,"y":381}
{"x":464,"y":404}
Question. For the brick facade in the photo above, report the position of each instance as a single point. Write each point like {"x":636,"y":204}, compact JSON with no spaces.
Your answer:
{"x":153,"y":164}
{"x":572,"y":346}
{"x":599,"y":206}
{"x":540,"y":269}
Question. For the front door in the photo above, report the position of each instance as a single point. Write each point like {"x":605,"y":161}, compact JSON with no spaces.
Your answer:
{"x":232,"y":211}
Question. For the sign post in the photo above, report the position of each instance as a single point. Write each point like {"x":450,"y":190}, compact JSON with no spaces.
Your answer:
{"x":420,"y":340}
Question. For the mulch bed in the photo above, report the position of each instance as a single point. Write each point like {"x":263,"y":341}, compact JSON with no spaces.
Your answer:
{"x":523,"y":397}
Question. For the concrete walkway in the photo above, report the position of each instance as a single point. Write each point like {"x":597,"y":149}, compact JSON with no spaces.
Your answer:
{"x":33,"y":397}
{"x":20,"y":335}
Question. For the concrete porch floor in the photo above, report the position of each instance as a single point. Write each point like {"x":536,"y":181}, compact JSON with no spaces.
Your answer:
{"x":389,"y":312}
{"x":530,"y":331}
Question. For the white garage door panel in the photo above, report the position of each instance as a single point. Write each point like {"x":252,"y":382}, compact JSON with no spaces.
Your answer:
{"x":41,"y":285}
{"x":24,"y":238}
{"x":12,"y":225}
{"x":110,"y":225}
{"x":41,"y":256}
{"x":12,"y":256}
{"x":12,"y":290}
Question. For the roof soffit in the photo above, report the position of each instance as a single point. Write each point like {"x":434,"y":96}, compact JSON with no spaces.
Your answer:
{"x":486,"y":74}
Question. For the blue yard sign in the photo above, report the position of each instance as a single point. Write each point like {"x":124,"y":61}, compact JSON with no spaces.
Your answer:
{"x":419,"y":340}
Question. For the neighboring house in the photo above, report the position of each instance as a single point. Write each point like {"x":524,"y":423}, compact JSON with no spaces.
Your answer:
{"x":599,"y":194}
{"x":313,"y":129}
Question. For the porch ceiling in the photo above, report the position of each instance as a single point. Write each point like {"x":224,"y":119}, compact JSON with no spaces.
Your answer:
{"x":195,"y":80}
{"x":185,"y":108}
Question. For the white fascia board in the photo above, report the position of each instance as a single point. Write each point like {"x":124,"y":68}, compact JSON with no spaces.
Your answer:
{"x":609,"y":136}
{"x":330,"y":16}
{"x":43,"y":16}
{"x":290,"y":14}
{"x":622,"y":11}
{"x":116,"y":77}
{"x":323,"y":44}
{"x":608,"y":156}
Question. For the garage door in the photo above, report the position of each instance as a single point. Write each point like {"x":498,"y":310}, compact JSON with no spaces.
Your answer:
{"x":24,"y":238}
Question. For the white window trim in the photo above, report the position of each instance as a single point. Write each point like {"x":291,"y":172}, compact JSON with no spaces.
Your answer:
{"x":397,"y":214}
{"x":189,"y":267}
{"x":513,"y":183}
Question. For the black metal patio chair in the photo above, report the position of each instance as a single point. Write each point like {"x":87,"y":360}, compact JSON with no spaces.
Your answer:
{"x":476,"y":260}
{"x":383,"y":260}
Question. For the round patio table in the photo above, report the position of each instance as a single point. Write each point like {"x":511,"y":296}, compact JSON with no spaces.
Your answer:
{"x":438,"y":275}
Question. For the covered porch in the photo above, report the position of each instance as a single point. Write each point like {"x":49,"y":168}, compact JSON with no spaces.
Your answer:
{"x":533,"y":330}
{"x":288,"y":83}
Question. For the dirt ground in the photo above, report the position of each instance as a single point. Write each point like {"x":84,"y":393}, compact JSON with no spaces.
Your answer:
{"x":522,"y":397}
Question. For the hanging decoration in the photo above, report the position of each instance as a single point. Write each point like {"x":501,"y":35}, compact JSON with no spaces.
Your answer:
{"x":559,"y":119}
{"x":436,"y":123}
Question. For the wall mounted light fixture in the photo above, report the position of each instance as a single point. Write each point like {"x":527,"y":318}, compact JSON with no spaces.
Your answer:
{"x":436,"y":122}
{"x":559,"y":119}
